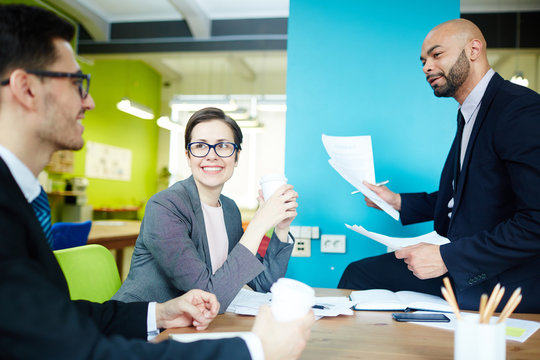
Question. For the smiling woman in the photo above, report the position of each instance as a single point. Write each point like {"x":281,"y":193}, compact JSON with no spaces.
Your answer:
{"x":192,"y":237}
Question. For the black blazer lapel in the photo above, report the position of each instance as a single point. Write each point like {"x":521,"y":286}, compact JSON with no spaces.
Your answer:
{"x":36,"y":244}
{"x":487,"y":100}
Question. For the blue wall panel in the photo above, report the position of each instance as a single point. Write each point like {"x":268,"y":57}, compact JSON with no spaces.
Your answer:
{"x":354,"y":69}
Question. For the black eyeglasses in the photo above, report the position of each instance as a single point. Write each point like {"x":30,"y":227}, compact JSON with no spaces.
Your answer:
{"x":222,"y":149}
{"x":83,"y":80}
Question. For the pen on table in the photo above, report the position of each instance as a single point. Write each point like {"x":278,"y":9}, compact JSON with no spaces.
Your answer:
{"x":320,"y":307}
{"x":376,"y":184}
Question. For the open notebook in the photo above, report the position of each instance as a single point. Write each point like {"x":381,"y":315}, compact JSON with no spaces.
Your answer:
{"x":379,"y":299}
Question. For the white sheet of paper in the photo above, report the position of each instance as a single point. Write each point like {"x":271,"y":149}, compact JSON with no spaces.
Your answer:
{"x":513,"y":326}
{"x":396,"y":242}
{"x":186,"y":338}
{"x":353,"y":179}
{"x":352,"y":158}
{"x":247,"y":302}
{"x":352,"y":152}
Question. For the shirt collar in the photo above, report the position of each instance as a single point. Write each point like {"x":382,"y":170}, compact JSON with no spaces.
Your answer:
{"x":26,"y":180}
{"x":472,"y":102}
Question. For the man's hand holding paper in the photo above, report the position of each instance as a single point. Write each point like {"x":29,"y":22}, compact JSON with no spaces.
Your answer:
{"x":391,"y":198}
{"x":352,"y":158}
{"x":423,"y":260}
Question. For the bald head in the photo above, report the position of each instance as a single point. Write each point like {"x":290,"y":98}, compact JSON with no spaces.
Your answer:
{"x":455,"y":58}
{"x":461,"y":30}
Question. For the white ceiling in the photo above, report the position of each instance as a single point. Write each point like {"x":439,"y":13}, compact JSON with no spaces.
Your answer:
{"x":249,"y":66}
{"x":146,"y":10}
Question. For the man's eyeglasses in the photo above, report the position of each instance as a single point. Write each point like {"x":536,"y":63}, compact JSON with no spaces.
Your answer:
{"x":82,"y":80}
{"x":222,"y":149}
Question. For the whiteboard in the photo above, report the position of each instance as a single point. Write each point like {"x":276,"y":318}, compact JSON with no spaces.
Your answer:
{"x":107,"y":162}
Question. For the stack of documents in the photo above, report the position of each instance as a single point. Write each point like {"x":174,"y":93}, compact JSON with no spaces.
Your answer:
{"x":352,"y":158}
{"x":247,"y":302}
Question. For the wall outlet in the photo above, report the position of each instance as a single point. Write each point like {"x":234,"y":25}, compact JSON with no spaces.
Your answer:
{"x":295,"y":231}
{"x":314,"y":232}
{"x":305,"y":232}
{"x":333,"y":243}
{"x":302,"y":247}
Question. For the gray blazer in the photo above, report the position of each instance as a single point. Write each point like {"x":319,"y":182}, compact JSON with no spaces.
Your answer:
{"x":171,"y":254}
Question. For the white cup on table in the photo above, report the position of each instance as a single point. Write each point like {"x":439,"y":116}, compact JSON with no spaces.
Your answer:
{"x":473,"y":340}
{"x":270,"y":183}
{"x":291,"y":299}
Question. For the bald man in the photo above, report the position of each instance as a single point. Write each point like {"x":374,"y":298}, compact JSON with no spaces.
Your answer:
{"x":488,"y":202}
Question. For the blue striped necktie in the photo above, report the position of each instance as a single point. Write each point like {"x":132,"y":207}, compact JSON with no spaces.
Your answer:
{"x":43,"y":213}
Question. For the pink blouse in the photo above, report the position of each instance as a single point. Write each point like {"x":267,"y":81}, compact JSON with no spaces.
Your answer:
{"x":218,"y":242}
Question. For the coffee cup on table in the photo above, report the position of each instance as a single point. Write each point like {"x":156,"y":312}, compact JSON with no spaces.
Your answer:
{"x":291,"y":299}
{"x":270,"y":183}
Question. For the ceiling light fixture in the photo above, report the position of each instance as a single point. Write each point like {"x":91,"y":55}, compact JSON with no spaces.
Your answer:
{"x":239,"y":114}
{"x":249,"y":123}
{"x":166,"y":123}
{"x":196,"y":102}
{"x":131,"y":107}
{"x":519,"y":79}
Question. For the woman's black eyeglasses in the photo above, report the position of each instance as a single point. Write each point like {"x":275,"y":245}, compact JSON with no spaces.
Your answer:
{"x":222,"y":149}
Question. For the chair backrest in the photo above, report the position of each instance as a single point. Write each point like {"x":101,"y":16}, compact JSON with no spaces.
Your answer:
{"x":90,"y":271}
{"x":70,"y":234}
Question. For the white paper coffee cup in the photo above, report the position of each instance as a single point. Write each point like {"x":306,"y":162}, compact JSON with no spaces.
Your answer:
{"x":270,"y":183}
{"x":291,"y":299}
{"x":473,"y":340}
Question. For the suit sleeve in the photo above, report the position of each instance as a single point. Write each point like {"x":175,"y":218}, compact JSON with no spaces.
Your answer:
{"x":39,"y":320}
{"x":115,"y":317}
{"x":516,"y":239}
{"x":275,"y":263}
{"x":417,"y":207}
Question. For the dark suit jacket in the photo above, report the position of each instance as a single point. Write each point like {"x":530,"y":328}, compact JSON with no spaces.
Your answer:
{"x":495,"y":224}
{"x":38,"y":319}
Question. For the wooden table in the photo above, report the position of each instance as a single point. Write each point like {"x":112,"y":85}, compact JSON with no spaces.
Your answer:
{"x":373,"y":335}
{"x":115,"y":235}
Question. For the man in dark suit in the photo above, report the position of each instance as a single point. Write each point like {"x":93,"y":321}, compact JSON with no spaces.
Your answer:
{"x":488,"y":202}
{"x":43,"y":99}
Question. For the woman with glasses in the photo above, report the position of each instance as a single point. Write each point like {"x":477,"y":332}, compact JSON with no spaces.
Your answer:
{"x":191,"y":236}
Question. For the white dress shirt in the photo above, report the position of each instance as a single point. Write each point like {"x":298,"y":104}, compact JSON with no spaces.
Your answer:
{"x":469,"y":110}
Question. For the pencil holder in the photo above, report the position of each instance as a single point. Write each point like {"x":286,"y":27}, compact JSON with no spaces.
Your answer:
{"x":473,"y":340}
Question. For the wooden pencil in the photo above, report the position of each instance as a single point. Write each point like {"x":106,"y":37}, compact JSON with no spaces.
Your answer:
{"x":452,"y":301}
{"x":491,"y":300}
{"x":483,"y":302}
{"x":509,"y":307}
{"x":448,"y":287}
{"x":490,"y":310}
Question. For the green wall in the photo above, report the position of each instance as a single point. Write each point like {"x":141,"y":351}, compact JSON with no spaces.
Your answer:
{"x":111,"y":81}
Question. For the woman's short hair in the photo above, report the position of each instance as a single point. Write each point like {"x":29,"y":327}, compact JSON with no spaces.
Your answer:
{"x":209,"y":114}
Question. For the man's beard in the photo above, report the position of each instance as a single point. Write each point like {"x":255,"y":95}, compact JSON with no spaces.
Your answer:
{"x":456,"y":77}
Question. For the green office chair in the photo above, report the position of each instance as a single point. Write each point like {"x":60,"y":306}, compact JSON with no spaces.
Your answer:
{"x":90,"y":271}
